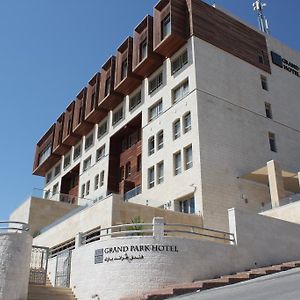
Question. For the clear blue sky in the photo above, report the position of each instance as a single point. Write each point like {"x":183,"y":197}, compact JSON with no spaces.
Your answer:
{"x":48,"y":51}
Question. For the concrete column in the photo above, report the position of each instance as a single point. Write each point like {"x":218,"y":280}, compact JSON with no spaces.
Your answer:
{"x":275,"y":183}
{"x":78,"y":240}
{"x":158,"y":227}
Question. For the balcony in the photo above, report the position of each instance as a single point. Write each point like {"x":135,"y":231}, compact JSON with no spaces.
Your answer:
{"x":109,"y":98}
{"x":69,"y":137}
{"x":132,"y":193}
{"x":80,"y":126}
{"x":93,"y":113}
{"x":58,"y":147}
{"x":44,"y":158}
{"x":171,"y":26}
{"x":126,"y":80}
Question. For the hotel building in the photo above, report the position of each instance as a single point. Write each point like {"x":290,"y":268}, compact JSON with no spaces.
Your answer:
{"x":180,"y":118}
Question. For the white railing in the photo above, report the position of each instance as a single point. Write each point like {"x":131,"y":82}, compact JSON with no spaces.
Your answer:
{"x":11,"y":226}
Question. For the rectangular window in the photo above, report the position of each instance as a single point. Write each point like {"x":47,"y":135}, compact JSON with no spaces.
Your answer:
{"x":55,"y":189}
{"x":89,"y":141}
{"x":180,"y":91}
{"x":187,"y":206}
{"x":117,"y":116}
{"x":155,"y":83}
{"x":272,"y":142}
{"x":176,"y":129}
{"x":177,"y":163}
{"x":48,"y":177}
{"x":151,"y":177}
{"x":45,"y":154}
{"x":100,"y":153}
{"x":160,"y":172}
{"x":160,"y":140}
{"x":264,"y":82}
{"x":179,"y":62}
{"x":151,"y":145}
{"x":135,"y":100}
{"x":88,"y":188}
{"x":67,"y":161}
{"x":268,"y":110}
{"x":165,"y":27}
{"x":94,"y":101}
{"x":188,"y":157}
{"x":187,"y":122}
{"x":77,"y":152}
{"x":87,"y":163}
{"x":139,"y":163}
{"x":96,"y":182}
{"x":57,"y":170}
{"x":124,"y":70}
{"x":143,"y":49}
{"x":102,"y":178}
{"x":82,"y":191}
{"x":155,"y":110}
{"x":127,"y":170}
{"x":107,"y":86}
{"x":102,"y":129}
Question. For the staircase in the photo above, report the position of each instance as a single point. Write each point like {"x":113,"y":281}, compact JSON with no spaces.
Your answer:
{"x":48,"y":292}
{"x":184,"y":288}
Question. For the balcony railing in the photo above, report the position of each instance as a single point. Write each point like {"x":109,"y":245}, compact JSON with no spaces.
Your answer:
{"x":132,"y":193}
{"x":13,"y":227}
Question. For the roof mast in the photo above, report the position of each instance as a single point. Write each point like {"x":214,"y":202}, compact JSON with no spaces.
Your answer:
{"x":262,"y":20}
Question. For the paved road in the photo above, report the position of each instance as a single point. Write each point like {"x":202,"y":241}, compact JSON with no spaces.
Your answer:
{"x":280,"y":286}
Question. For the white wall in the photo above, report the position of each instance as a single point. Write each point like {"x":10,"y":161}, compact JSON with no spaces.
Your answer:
{"x":261,"y":241}
{"x":15,"y":255}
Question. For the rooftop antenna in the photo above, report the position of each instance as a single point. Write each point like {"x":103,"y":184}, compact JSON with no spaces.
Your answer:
{"x":262,"y":20}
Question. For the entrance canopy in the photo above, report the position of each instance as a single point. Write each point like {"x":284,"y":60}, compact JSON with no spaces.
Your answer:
{"x":290,"y":179}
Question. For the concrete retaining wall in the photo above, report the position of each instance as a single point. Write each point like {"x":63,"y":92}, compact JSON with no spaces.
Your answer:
{"x":131,"y":268}
{"x":15,"y":254}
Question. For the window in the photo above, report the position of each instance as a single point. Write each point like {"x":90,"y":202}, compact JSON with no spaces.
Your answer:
{"x":160,"y":140}
{"x":67,"y":161}
{"x":96,"y":182}
{"x":102,"y":178}
{"x":160,"y":172}
{"x":155,"y":83}
{"x":89,"y":141}
{"x":117,"y":116}
{"x":48,"y":177}
{"x":69,"y":126}
{"x":55,"y":189}
{"x":124,"y":70}
{"x":177,"y":163}
{"x":94,"y":100}
{"x":264,"y":82}
{"x":268,"y":110}
{"x":261,"y":58}
{"x":77,"y":152}
{"x":187,"y":122}
{"x":102,"y":129}
{"x":151,"y":177}
{"x":180,"y":91}
{"x":88,"y":188}
{"x":188,"y":157}
{"x":179,"y":62}
{"x":127,"y":169}
{"x":135,"y":100}
{"x":57,"y":170}
{"x":107,"y":86}
{"x":165,"y":27}
{"x":82,"y":190}
{"x":176,"y":129}
{"x":87,"y":163}
{"x":45,"y":154}
{"x":100,"y":153}
{"x":151,"y":146}
{"x":139,"y":163}
{"x":187,"y":206}
{"x":143,"y":49}
{"x":272,"y":142}
{"x":155,"y":110}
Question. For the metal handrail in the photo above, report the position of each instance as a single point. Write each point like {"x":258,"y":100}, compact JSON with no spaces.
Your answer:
{"x":23,"y":227}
